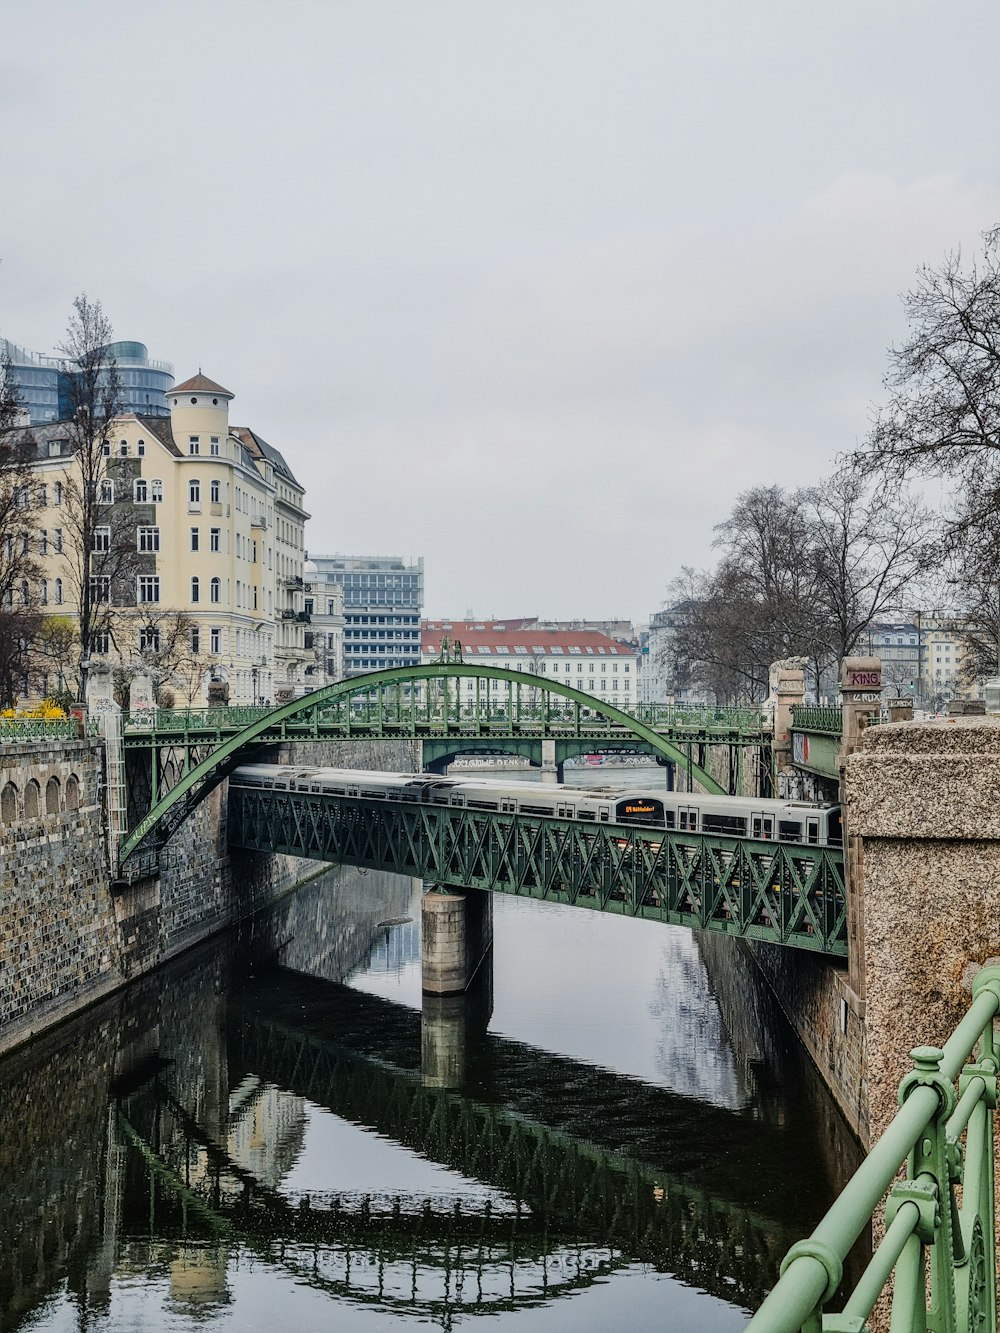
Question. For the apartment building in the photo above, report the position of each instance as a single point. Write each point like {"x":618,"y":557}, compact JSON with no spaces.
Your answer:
{"x":205,"y":500}
{"x":585,"y":659}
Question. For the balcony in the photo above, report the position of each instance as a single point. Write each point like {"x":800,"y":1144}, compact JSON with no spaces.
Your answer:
{"x":294,"y":582}
{"x":290,"y":615}
{"x":303,"y":617}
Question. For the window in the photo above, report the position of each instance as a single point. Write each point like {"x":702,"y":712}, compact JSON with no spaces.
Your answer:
{"x":100,"y":588}
{"x":156,"y":492}
{"x":106,"y":448}
{"x":195,"y":538}
{"x":214,"y":535}
{"x":43,"y":592}
{"x":195,"y":640}
{"x":99,"y":643}
{"x":149,"y":539}
{"x":57,"y":541}
{"x":214,"y":446}
{"x":149,"y":640}
{"x":106,"y":491}
{"x":140,"y":448}
{"x":216,"y":640}
{"x":57,"y":493}
{"x":195,"y":588}
{"x":215,"y":492}
{"x":140,"y":491}
{"x":194,"y":491}
{"x":43,"y":495}
{"x":216,"y":590}
{"x":55,"y":448}
{"x":194,"y":445}
{"x":43,"y":542}
{"x":58,"y":592}
{"x":123,"y":449}
{"x":102,"y":540}
{"x":148,"y":588}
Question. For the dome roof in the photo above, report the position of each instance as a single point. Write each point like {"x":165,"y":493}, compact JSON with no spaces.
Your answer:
{"x":310,"y":567}
{"x":200,"y":384}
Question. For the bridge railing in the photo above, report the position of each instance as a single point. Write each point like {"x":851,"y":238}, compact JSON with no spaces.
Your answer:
{"x":828,"y":721}
{"x":938,"y":1247}
{"x":36,"y":728}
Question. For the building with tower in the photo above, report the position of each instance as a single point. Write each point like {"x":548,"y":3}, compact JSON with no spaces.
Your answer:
{"x":217,"y":520}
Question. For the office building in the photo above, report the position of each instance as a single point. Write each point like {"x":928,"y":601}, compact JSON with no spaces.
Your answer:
{"x":383,"y":598}
{"x":45,"y":382}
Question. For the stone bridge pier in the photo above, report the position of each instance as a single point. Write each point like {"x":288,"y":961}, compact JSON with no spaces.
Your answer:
{"x":456,"y":935}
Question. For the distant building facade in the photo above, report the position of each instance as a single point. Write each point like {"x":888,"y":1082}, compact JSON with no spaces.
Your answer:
{"x":44,"y":381}
{"x":324,"y":636}
{"x":383,"y":598}
{"x":585,"y":659}
{"x":203,"y":500}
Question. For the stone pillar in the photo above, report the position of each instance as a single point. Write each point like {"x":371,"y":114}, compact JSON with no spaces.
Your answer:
{"x":922,"y":799}
{"x":450,"y":1025}
{"x":142,"y":697}
{"x":787,"y":687}
{"x":456,"y":935}
{"x":550,"y":772}
{"x":861,"y":691}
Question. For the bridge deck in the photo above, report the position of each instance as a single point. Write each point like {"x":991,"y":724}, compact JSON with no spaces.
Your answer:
{"x":784,"y":893}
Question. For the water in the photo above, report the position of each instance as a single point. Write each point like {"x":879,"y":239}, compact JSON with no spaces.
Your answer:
{"x":613,"y":1129}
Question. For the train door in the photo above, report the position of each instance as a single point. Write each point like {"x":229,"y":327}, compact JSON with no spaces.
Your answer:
{"x":604,"y":813}
{"x":762,"y":826}
{"x":812,"y":831}
{"x":687,"y":819}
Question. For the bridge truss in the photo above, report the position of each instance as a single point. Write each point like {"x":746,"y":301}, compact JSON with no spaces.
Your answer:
{"x":190,"y":751}
{"x":784,"y":893}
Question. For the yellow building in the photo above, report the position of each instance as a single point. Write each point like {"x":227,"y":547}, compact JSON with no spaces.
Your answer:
{"x":219,"y":547}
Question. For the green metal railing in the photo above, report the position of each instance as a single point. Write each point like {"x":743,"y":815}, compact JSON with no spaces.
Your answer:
{"x":938,"y":1247}
{"x":814,"y":717}
{"x":36,"y":728}
{"x":784,"y":893}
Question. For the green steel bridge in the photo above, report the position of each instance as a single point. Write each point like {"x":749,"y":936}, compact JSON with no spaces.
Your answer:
{"x":784,"y":893}
{"x":560,"y":1192}
{"x":175,"y":757}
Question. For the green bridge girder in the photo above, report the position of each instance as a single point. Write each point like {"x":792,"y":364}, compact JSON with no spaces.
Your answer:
{"x":784,"y":893}
{"x":387,"y":705}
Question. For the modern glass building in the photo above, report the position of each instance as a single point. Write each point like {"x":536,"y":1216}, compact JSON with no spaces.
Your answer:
{"x":45,"y":381}
{"x":383,"y":598}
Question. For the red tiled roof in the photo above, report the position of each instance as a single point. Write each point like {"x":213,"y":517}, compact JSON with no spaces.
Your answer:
{"x":482,"y":640}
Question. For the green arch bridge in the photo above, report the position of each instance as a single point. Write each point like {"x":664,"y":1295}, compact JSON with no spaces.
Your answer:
{"x":506,"y":710}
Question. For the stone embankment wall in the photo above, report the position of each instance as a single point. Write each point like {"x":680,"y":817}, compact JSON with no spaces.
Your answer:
{"x":828,"y":1018}
{"x":66,"y":938}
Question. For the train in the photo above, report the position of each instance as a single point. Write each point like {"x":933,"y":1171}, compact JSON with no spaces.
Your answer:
{"x":685,"y":812}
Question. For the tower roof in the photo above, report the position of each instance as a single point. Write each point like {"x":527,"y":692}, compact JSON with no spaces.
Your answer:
{"x":200,"y":384}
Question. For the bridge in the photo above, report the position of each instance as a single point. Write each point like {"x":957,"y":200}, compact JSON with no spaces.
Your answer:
{"x":183,"y":754}
{"x":784,"y":893}
{"x":641,"y":1183}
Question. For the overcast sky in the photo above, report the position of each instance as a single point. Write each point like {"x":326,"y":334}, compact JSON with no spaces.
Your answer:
{"x":532,"y":288}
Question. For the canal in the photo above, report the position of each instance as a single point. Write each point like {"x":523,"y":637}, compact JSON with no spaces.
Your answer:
{"x":613,"y":1129}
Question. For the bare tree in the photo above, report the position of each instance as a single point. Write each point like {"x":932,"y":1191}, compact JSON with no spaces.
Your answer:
{"x":149,"y":641}
{"x":867,"y":547}
{"x":101,"y":550}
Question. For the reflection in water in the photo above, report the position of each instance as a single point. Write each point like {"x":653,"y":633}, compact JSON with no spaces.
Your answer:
{"x":242,"y":1139}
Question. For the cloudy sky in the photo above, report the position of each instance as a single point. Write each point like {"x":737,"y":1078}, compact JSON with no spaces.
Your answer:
{"x":532,"y":288}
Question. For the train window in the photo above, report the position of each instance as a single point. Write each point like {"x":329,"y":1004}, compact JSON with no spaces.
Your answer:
{"x":585,"y":814}
{"x":482,"y":805}
{"x":713,"y":823}
{"x":669,"y":818}
{"x":812,"y":831}
{"x":768,"y":826}
{"x":756,"y":830}
{"x":535,"y":809}
{"x":605,"y":812}
{"x":789,"y":830}
{"x":834,"y":828}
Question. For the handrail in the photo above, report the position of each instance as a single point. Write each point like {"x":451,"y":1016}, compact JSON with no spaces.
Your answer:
{"x":824,"y":719}
{"x":925,"y":1228}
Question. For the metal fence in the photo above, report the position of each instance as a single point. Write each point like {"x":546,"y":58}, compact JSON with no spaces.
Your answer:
{"x":828,"y":721}
{"x":939,"y":1243}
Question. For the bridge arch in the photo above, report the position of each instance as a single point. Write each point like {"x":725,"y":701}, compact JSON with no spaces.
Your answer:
{"x":544,"y":715}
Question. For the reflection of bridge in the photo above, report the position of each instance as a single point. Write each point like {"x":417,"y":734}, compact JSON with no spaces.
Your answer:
{"x":190,"y":752}
{"x":785,"y":893}
{"x":583,"y":1160}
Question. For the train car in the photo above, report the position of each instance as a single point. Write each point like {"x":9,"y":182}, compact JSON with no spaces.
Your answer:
{"x":683,"y":812}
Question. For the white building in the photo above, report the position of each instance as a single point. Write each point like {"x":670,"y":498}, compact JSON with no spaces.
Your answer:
{"x":585,"y":659}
